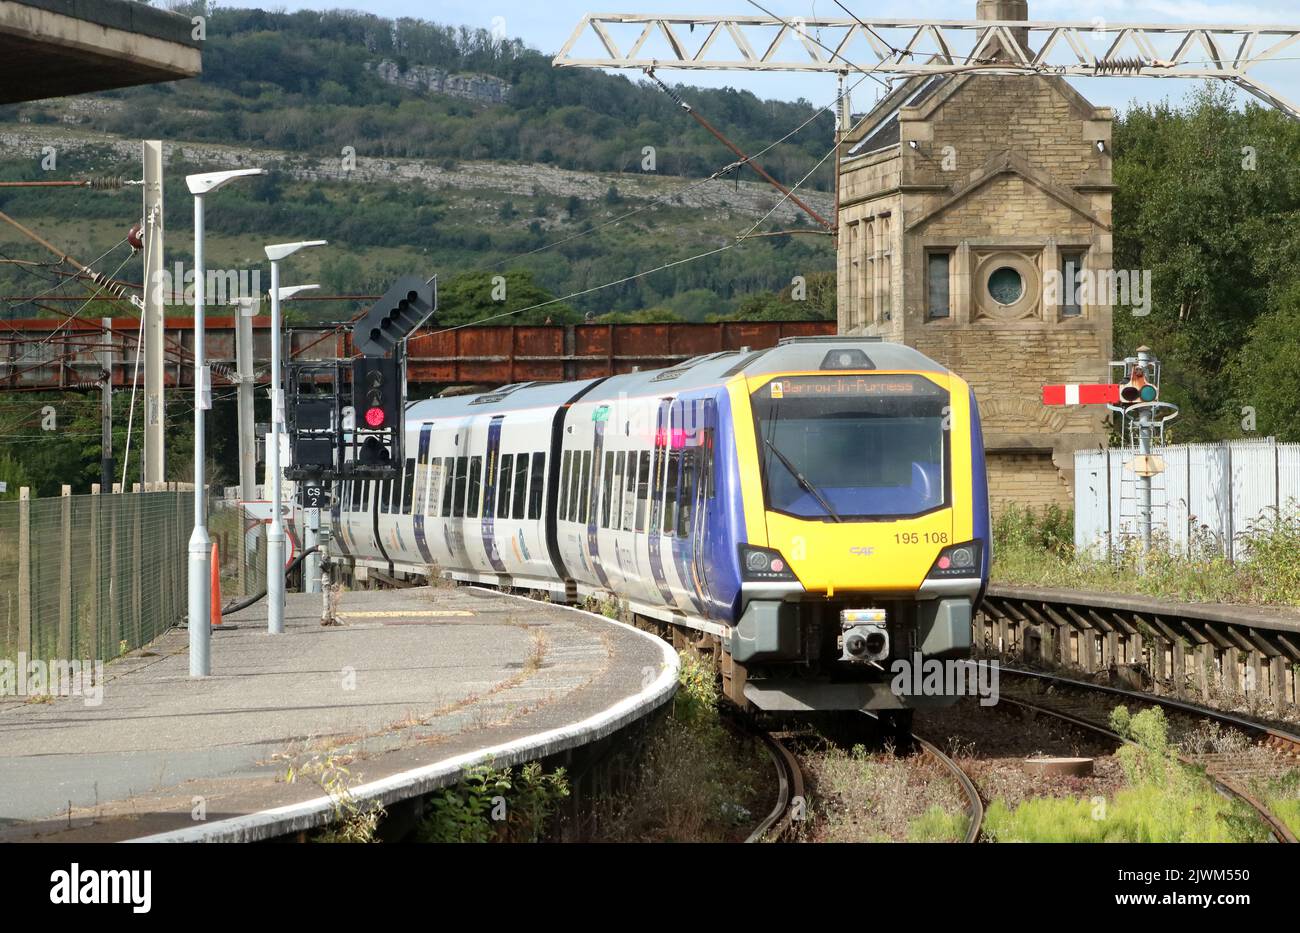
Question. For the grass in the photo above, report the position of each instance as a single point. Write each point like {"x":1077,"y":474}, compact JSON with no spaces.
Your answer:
{"x":694,"y":781}
{"x":875,"y":796}
{"x":1163,"y":801}
{"x":1036,"y":548}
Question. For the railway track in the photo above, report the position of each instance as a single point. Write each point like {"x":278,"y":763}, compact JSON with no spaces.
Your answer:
{"x":779,"y":824}
{"x":974,"y":803}
{"x":1266,"y":752}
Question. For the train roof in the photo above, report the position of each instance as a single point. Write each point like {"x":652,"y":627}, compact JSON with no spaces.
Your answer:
{"x":792,"y":354}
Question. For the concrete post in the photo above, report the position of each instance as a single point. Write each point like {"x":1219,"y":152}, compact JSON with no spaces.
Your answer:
{"x":25,"y":571}
{"x":154,"y":401}
{"x":65,"y":574}
{"x":96,"y":574}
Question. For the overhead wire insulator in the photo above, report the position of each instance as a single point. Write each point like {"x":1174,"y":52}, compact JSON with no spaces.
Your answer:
{"x":1120,"y":66}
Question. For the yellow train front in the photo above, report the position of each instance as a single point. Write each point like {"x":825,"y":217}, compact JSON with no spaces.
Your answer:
{"x":862,"y":543}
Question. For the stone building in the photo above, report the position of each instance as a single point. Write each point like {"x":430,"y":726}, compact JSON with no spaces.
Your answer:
{"x":968,"y":203}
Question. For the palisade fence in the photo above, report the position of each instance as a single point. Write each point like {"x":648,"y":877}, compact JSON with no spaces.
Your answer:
{"x":91,"y":577}
{"x":1208,"y":496}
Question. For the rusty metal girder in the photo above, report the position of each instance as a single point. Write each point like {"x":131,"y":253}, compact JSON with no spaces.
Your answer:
{"x":48,"y":354}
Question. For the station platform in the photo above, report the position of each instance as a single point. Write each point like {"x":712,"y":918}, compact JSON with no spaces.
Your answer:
{"x":413,"y":687}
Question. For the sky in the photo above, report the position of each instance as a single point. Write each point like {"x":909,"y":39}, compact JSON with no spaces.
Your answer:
{"x":546,"y":24}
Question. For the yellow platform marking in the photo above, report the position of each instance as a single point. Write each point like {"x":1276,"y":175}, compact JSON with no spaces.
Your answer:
{"x":405,"y":613}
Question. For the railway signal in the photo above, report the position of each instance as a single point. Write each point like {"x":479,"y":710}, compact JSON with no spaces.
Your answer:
{"x":1076,"y":394}
{"x":379,"y":375}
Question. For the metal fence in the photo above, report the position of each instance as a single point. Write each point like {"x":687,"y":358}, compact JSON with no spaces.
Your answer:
{"x":92,"y":577}
{"x":1208,"y":495}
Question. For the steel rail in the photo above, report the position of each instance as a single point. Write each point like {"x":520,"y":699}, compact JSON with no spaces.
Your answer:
{"x":1226,"y":785}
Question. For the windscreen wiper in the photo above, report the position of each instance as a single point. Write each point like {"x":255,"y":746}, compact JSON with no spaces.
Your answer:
{"x":802,"y":480}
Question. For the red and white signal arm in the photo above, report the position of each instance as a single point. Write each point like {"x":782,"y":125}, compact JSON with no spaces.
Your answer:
{"x":1076,"y":394}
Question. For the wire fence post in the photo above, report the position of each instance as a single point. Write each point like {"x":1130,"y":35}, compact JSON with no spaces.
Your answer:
{"x":114,"y":575}
{"x":137,"y":571}
{"x":25,"y":571}
{"x":96,"y":563}
{"x":65,"y":574}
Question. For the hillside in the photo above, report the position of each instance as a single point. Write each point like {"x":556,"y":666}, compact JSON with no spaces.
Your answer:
{"x":416,"y":147}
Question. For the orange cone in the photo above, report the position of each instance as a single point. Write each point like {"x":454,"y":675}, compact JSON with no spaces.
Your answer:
{"x":216,"y":585}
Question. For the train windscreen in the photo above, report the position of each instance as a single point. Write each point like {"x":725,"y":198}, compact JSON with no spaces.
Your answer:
{"x":853,"y":447}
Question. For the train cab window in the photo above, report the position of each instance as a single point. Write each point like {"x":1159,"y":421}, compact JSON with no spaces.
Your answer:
{"x":567,"y":463}
{"x":585,"y":488}
{"x":386,"y":496}
{"x":607,"y":489}
{"x":462,"y":481}
{"x":670,"y":492}
{"x":706,"y":464}
{"x":365,"y":496}
{"x":408,"y":485}
{"x":505,"y":479}
{"x":475,"y":486}
{"x":642,"y":490}
{"x":520,"y":485}
{"x":448,"y":484}
{"x":537,"y":486}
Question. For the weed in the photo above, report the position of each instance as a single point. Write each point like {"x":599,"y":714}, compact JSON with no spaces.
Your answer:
{"x":353,"y":820}
{"x":496,"y":805}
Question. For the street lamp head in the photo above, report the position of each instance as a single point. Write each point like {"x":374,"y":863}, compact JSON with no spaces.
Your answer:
{"x":290,"y":290}
{"x":210,"y":181}
{"x":277,"y":251}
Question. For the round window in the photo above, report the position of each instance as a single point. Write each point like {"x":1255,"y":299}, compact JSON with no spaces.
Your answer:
{"x":1006,"y":285}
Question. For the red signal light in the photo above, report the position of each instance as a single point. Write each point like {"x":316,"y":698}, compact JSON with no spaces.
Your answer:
{"x":375,"y":417}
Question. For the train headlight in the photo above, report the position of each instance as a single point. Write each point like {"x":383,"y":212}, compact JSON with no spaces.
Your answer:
{"x":958,"y":560}
{"x":763,"y":563}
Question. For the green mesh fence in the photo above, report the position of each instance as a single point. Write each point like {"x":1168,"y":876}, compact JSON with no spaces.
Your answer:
{"x":93,"y":577}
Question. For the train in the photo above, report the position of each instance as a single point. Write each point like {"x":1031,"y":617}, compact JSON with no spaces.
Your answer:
{"x":806,"y":514}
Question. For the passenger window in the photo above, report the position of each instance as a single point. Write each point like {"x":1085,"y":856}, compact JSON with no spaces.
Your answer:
{"x":575,"y":480}
{"x":506,"y":476}
{"x":687,"y":499}
{"x":520,"y":485}
{"x":431,"y":494}
{"x":583,"y":513}
{"x":462,"y":477}
{"x":670,"y":492}
{"x":642,"y":490}
{"x":629,"y":491}
{"x":475,"y":486}
{"x":448,"y":484}
{"x":607,"y":489}
{"x":563,"y":514}
{"x":408,"y":485}
{"x":616,"y":507}
{"x":537,"y":487}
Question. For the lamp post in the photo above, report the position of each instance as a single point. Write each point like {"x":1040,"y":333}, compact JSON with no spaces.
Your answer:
{"x":200,"y":549}
{"x":275,"y":536}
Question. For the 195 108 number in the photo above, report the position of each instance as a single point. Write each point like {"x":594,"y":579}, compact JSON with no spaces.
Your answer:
{"x":916,"y":537}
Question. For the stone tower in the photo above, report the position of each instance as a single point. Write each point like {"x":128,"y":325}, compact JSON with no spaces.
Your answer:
{"x":968,"y":205}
